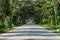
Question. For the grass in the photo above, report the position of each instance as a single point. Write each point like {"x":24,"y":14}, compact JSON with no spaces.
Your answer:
{"x":55,"y":29}
{"x":5,"y":30}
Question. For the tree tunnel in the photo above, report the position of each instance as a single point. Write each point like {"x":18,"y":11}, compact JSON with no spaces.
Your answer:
{"x":27,"y":13}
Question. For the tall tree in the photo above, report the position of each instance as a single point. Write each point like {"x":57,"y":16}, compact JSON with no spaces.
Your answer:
{"x":55,"y":6}
{"x":6,"y":7}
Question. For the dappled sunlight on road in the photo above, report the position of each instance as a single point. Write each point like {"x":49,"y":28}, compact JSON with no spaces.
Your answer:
{"x":30,"y":32}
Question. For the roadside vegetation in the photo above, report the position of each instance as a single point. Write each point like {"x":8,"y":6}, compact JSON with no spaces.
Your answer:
{"x":14,"y":13}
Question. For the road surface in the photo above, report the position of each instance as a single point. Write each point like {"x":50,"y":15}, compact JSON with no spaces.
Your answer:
{"x":30,"y":32}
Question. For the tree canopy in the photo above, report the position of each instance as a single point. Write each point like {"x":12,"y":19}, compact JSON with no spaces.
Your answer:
{"x":15,"y":12}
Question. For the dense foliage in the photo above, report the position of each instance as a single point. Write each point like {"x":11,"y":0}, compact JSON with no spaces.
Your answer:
{"x":15,"y":13}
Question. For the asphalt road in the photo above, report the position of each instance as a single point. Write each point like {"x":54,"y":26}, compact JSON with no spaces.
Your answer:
{"x":30,"y":32}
